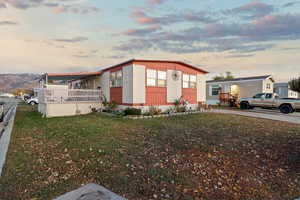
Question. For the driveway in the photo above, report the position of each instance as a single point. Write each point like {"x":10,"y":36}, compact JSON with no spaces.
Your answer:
{"x":265,"y":114}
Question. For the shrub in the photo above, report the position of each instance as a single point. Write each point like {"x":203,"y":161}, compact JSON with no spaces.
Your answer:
{"x":111,"y":106}
{"x":180,"y":105}
{"x":154,"y":110}
{"x":132,"y":111}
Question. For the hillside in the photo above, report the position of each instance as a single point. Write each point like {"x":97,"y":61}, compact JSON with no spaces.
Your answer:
{"x":9,"y":82}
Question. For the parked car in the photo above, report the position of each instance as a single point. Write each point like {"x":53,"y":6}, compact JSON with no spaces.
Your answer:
{"x":33,"y":101}
{"x":1,"y":111}
{"x":270,"y":100}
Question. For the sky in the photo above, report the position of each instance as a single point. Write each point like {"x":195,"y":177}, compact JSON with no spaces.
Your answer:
{"x":248,"y":38}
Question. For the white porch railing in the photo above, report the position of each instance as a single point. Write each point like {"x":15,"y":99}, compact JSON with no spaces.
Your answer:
{"x":69,"y":95}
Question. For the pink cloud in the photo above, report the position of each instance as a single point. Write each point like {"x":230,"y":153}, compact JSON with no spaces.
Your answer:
{"x":156,"y":1}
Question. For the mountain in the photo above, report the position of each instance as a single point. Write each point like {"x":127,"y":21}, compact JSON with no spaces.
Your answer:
{"x":10,"y":82}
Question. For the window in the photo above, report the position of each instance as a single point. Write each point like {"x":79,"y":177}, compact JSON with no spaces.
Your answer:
{"x":161,"y":79}
{"x":151,"y":77}
{"x":269,"y":96}
{"x":189,"y":81}
{"x":185,"y":81}
{"x":215,"y":90}
{"x":193,"y":81}
{"x":156,"y":78}
{"x":268,"y":86}
{"x":258,"y":96}
{"x":116,"y":79}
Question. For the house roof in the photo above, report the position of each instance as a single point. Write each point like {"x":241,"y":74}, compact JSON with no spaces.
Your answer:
{"x":242,"y":79}
{"x":146,"y":60}
{"x":69,"y":76}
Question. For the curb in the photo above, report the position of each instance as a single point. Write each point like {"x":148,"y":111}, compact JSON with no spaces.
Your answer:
{"x":6,"y":135}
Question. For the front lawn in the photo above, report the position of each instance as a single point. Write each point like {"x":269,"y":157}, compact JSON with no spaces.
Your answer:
{"x":203,"y":156}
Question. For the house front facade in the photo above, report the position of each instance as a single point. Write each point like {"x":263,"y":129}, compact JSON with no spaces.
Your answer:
{"x":238,"y":87}
{"x":283,"y":90}
{"x":146,"y":83}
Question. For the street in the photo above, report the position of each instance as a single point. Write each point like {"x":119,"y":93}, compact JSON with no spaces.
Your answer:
{"x":8,"y":103}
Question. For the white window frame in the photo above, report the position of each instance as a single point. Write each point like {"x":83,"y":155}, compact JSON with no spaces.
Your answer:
{"x":153,"y":77}
{"x":187,"y":81}
{"x":116,"y":79}
{"x":212,"y":90}
{"x":193,"y":84}
{"x":161,"y":77}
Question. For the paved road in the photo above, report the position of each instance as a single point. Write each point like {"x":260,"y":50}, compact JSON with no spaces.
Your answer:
{"x":8,"y":103}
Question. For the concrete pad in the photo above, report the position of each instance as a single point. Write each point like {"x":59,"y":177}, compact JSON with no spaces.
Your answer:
{"x":271,"y":116}
{"x":90,"y":192}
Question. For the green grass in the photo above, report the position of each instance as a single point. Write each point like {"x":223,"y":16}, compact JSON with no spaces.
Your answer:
{"x":204,"y":156}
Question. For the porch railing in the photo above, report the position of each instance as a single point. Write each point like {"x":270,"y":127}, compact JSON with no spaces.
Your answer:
{"x":69,"y":95}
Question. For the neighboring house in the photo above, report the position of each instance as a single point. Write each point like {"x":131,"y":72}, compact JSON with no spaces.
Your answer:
{"x":283,"y":90}
{"x":238,"y":87}
{"x":143,"y":83}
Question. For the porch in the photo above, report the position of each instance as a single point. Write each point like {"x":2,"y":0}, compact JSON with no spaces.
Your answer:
{"x":68,"y":102}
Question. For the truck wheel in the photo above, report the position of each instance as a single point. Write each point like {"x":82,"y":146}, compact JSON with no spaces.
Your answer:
{"x":245,"y":105}
{"x":32,"y":103}
{"x":1,"y":117}
{"x":286,"y":109}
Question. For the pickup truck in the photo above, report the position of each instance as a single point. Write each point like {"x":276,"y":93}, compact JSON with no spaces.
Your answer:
{"x":33,"y":101}
{"x":270,"y":100}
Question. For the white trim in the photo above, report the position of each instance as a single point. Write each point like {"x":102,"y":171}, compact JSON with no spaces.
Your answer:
{"x":221,"y":82}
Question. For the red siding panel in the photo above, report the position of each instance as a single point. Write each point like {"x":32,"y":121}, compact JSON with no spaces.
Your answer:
{"x":156,"y":96}
{"x":190,"y":94}
{"x":116,"y":95}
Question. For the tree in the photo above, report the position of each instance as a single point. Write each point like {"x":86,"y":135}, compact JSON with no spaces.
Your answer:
{"x":295,"y":84}
{"x":228,"y":75}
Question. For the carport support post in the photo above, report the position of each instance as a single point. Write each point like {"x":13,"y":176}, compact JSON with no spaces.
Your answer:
{"x":46,"y":79}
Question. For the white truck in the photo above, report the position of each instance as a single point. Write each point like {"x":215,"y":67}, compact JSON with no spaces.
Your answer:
{"x":270,"y":100}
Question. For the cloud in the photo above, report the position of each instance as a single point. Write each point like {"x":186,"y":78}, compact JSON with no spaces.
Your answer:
{"x":253,"y":10}
{"x":254,"y":36}
{"x":142,"y":31}
{"x":156,"y":1}
{"x":8,"y":23}
{"x":58,"y":6}
{"x":88,"y":54}
{"x":186,"y":16}
{"x":71,"y":40}
{"x":290,"y":4}
{"x":2,"y":5}
{"x":240,"y":56}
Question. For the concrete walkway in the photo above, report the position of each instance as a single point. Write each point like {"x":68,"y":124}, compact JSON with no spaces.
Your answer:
{"x":90,"y":192}
{"x":277,"y":117}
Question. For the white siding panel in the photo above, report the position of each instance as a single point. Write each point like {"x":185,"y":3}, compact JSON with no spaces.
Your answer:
{"x":174,"y":88}
{"x":139,"y":84}
{"x":201,"y":88}
{"x":105,"y":85}
{"x":127,"y":88}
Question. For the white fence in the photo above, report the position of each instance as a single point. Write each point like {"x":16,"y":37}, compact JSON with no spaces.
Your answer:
{"x":69,"y":95}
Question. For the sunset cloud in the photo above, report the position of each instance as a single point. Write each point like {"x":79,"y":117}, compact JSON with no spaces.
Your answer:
{"x":62,"y":35}
{"x":2,"y":23}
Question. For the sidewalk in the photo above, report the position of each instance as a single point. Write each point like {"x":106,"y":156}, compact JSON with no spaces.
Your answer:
{"x":284,"y":118}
